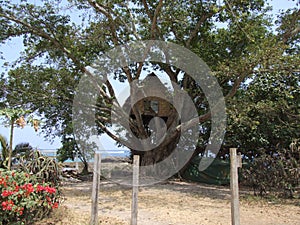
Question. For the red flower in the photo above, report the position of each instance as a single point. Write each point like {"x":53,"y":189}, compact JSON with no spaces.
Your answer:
{"x":6,"y":193}
{"x":55,"y":205}
{"x":7,"y":205}
{"x":28,"y":187}
{"x":50,"y":190}
{"x":3,"y":182}
{"x":17,"y":188}
{"x":40,"y":188}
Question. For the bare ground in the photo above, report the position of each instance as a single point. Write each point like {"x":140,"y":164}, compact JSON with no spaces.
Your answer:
{"x":170,"y":203}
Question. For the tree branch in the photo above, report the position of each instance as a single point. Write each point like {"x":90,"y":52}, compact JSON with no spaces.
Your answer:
{"x":235,"y":87}
{"x":289,"y":34}
{"x":293,"y":31}
{"x":154,"y":19}
{"x":133,"y":28}
{"x":147,"y":10}
{"x":40,"y":33}
{"x":114,"y":137}
{"x":102,"y":10}
{"x":172,"y":75}
{"x":198,"y":25}
{"x":184,"y":126}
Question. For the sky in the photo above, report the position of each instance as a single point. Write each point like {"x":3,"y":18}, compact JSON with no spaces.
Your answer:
{"x":36,"y":139}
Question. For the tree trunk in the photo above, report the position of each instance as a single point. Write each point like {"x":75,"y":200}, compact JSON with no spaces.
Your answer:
{"x":10,"y":144}
{"x":85,"y":169}
{"x":155,"y":156}
{"x":171,"y":139}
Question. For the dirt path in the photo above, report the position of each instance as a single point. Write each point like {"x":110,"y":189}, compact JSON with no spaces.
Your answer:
{"x":176,"y":204}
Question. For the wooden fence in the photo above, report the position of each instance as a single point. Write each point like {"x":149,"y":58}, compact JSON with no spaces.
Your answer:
{"x":235,"y":163}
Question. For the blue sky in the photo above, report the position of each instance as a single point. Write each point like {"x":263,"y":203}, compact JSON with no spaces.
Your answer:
{"x":11,"y":52}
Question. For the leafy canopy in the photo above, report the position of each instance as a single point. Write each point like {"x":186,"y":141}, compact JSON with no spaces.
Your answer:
{"x":256,"y":67}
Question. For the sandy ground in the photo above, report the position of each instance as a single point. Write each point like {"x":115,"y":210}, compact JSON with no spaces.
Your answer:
{"x":170,"y":203}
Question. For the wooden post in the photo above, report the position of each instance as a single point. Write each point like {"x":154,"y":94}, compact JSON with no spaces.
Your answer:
{"x":95,"y":189}
{"x":135,"y":188}
{"x":76,"y":161}
{"x":235,"y":162}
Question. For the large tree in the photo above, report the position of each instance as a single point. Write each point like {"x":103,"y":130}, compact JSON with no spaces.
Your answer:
{"x":235,"y":38}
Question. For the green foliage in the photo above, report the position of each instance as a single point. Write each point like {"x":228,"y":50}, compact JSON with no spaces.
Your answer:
{"x":44,"y":168}
{"x":30,"y":193}
{"x":4,"y":151}
{"x":265,"y":114}
{"x":257,"y":68}
{"x":70,"y":149}
{"x":24,"y":200}
{"x":275,"y":173}
{"x":13,"y":114}
{"x":67,"y":150}
{"x":22,"y":150}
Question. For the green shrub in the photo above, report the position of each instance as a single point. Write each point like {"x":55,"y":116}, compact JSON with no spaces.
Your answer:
{"x":274,"y":174}
{"x":44,"y":168}
{"x":24,"y":200}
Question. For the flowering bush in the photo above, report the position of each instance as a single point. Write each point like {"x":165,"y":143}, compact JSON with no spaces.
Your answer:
{"x":23,"y":199}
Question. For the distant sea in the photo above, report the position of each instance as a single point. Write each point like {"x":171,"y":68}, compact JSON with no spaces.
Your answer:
{"x":105,"y":154}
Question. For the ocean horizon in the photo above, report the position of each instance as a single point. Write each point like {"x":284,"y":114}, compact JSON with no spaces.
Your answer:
{"x":104,"y":154}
